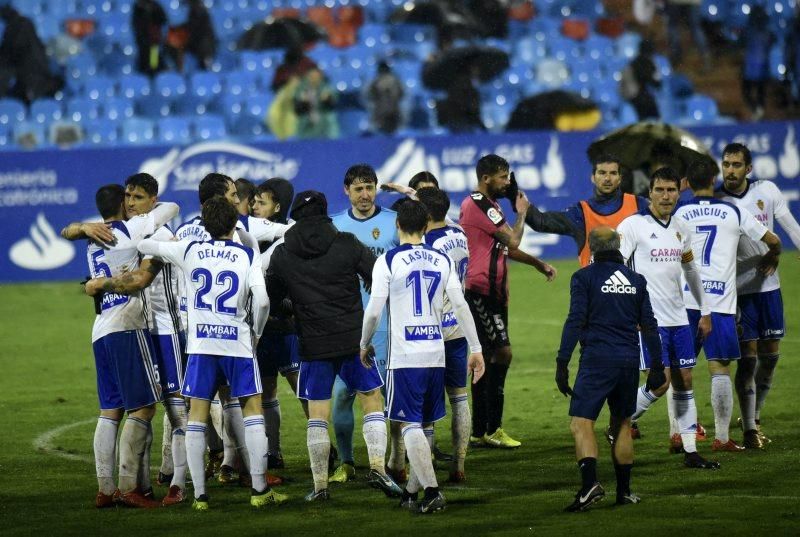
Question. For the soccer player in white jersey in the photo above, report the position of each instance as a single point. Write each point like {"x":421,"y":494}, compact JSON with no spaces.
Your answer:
{"x":760,"y":302}
{"x":451,"y":241}
{"x":415,"y":278}
{"x":716,"y":227}
{"x":222,"y":277}
{"x":659,"y":248}
{"x":127,"y":376}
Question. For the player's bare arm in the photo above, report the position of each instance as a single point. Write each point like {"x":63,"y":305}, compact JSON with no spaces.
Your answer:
{"x":769,"y":262}
{"x":126,"y":283}
{"x":99,"y":232}
{"x":548,"y":270}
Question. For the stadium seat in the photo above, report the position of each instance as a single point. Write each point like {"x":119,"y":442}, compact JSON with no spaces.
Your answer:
{"x":45,"y":111}
{"x":117,"y":108}
{"x":205,"y":86}
{"x":29,"y":135}
{"x":138,"y":131}
{"x":700,"y":109}
{"x":98,"y":88}
{"x":169,"y":86}
{"x":551,"y":73}
{"x":80,"y":109}
{"x":209,"y":127}
{"x":585,"y":70}
{"x":174,"y":130}
{"x":529,"y":50}
{"x":412,"y":33}
{"x":598,"y":47}
{"x":11,"y":111}
{"x":352,"y":122}
{"x":606,"y":94}
{"x":242,"y":83}
{"x":250,"y":121}
{"x":95,"y":8}
{"x":628,"y":45}
{"x":6,"y":137}
{"x":374,"y":35}
{"x":134,"y":86}
{"x":190,"y":105}
{"x":562,"y":48}
{"x":153,"y":106}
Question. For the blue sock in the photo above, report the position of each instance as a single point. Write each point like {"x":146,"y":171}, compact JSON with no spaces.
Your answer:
{"x":343,"y":421}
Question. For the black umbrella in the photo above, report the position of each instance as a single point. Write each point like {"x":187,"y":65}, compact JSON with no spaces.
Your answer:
{"x":280,"y":33}
{"x":649,"y":142}
{"x":456,"y":20}
{"x":540,"y":111}
{"x":483,"y":62}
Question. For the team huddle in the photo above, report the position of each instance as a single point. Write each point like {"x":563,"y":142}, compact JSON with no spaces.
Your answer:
{"x":398,"y":308}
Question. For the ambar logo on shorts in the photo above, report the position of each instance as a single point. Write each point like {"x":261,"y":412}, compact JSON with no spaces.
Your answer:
{"x":619,"y":284}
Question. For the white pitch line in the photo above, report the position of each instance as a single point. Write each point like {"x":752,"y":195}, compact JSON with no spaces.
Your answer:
{"x":44,"y":442}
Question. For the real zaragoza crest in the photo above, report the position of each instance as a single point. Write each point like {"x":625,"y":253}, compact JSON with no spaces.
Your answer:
{"x":678,"y":234}
{"x":376,"y":233}
{"x":760,"y":204}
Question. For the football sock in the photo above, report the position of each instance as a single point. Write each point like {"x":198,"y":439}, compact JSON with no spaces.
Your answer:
{"x":105,"y":447}
{"x":319,"y":447}
{"x":412,"y":486}
{"x":765,"y":368}
{"x":686,"y":411}
{"x":166,"y":448}
{"x":480,"y":409}
{"x":234,"y":428}
{"x":144,"y":460}
{"x":343,"y":420}
{"x":746,"y":391}
{"x":215,"y":413}
{"x":459,"y":429}
{"x":644,"y":398}
{"x":256,"y":439}
{"x":722,"y":403}
{"x":397,"y":455}
{"x":496,"y":395}
{"x":176,"y":412}
{"x":623,"y":472}
{"x":374,"y":429}
{"x":588,"y":468}
{"x":131,"y":447}
{"x":195,"y":455}
{"x":419,"y":454}
{"x":429,"y":435}
{"x":674,"y":428}
{"x":272,"y":422}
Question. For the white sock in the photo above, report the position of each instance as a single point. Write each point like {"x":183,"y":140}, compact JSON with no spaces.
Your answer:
{"x":672,"y":413}
{"x":272,"y":422}
{"x":644,"y":398}
{"x":176,"y":412}
{"x":319,"y":447}
{"x":214,"y":433}
{"x":374,"y":430}
{"x":722,"y":403}
{"x":195,"y":455}
{"x":397,"y":454}
{"x":419,"y":454}
{"x":747,"y":399}
{"x":234,"y":428}
{"x":459,"y":428}
{"x":429,"y":435}
{"x":686,"y":411}
{"x":765,"y":368}
{"x":105,"y":449}
{"x":256,"y":439}
{"x":131,"y":448}
{"x":166,"y":448}
{"x":412,"y":486}
{"x":144,"y":461}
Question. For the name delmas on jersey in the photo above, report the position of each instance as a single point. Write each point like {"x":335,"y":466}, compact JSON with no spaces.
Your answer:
{"x":617,"y":283}
{"x":217,"y":331}
{"x":423,"y":332}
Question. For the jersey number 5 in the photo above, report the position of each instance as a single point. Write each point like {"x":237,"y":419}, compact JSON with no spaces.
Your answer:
{"x":225,"y":278}
{"x":414,"y":280}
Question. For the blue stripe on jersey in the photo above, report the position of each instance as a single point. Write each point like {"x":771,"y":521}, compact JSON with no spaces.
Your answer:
{"x":120,"y":225}
{"x":405,"y":247}
{"x":186,"y":251}
{"x":433,"y":235}
{"x":248,"y":251}
{"x":245,"y":221}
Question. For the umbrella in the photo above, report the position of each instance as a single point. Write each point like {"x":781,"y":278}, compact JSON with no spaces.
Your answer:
{"x":280,"y":33}
{"x":484,"y":62}
{"x":456,"y":20}
{"x":650,"y":142}
{"x":540,"y":111}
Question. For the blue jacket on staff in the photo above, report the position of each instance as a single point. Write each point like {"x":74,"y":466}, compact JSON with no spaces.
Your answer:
{"x":608,"y":301}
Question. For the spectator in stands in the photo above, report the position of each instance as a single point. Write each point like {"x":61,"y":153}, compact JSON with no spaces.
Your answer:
{"x":314,"y":103}
{"x":758,"y":39}
{"x":681,"y":13}
{"x":147,"y":22}
{"x":23,"y":60}
{"x":201,"y":41}
{"x":792,"y":51}
{"x":295,"y":64}
{"x":460,"y":110}
{"x":638,"y":80}
{"x":383,"y":97}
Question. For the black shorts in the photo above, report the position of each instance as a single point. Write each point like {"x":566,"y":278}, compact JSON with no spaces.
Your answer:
{"x":596,"y":385}
{"x":491,"y":320}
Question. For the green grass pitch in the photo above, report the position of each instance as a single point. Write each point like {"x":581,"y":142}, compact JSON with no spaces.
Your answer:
{"x":48,"y":412}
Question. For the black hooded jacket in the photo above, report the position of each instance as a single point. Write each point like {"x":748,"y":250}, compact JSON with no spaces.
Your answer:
{"x":318,"y":268}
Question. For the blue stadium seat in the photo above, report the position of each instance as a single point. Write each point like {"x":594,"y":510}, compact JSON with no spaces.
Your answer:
{"x":6,"y":137}
{"x":116,"y":63}
{"x":205,"y":86}
{"x":563,"y":48}
{"x":374,"y":35}
{"x":29,"y":8}
{"x":117,"y":108}
{"x":598,"y":47}
{"x":628,"y":45}
{"x":551,"y":73}
{"x":134,"y":86}
{"x":529,"y":50}
{"x":242,"y":83}
{"x":606,"y":95}
{"x":58,"y":10}
{"x":190,"y":105}
{"x":663,"y":65}
{"x":154,"y":106}
{"x":412,"y":33}
{"x":777,"y":62}
{"x":95,"y":8}
{"x":169,"y":86}
{"x":544,"y":27}
{"x":115,"y":26}
{"x":250,"y":121}
{"x":585,"y":70}
{"x":11,"y":111}
{"x":352,"y":122}
{"x":101,"y":132}
{"x":30,"y":134}
{"x":44,"y":111}
{"x":327,"y":57}
{"x":627,"y":114}
{"x":495,"y":114}
{"x":700,"y":109}
{"x":80,"y":109}
{"x":138,"y":131}
{"x":230,"y":106}
{"x":98,"y":88}
{"x":209,"y":127}
{"x":174,"y":130}
{"x":80,"y":68}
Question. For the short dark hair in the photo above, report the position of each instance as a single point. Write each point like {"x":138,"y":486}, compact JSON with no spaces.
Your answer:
{"x":665,"y":174}
{"x":412,"y":217}
{"x":245,"y":189}
{"x":738,"y":148}
{"x":145,"y":181}
{"x":109,"y":200}
{"x":604,"y":158}
{"x":266,"y":188}
{"x":701,"y":173}
{"x":423,"y":177}
{"x":436,"y":201}
{"x":363,"y":173}
{"x":219,"y":216}
{"x":490,"y":164}
{"x":213,"y":184}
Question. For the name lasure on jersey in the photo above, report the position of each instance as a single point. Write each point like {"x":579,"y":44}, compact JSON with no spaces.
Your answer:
{"x":217,"y":331}
{"x":423,"y":332}
{"x":664,"y":255}
{"x":416,"y":255}
{"x":224,"y":255}
{"x":705,"y":211}
{"x":112,"y":299}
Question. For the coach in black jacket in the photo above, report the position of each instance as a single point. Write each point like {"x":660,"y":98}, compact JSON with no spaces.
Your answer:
{"x":608,"y":301}
{"x":319,"y":268}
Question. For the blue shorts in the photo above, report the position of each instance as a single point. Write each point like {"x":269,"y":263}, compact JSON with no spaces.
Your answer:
{"x":415,"y":394}
{"x":455,"y":363}
{"x":205,"y":373}
{"x":761,"y":316}
{"x":677,"y":348}
{"x":170,"y":354}
{"x":723,"y":342}
{"x":127,"y":375}
{"x":596,"y":385}
{"x":278,"y":353}
{"x":317,"y":377}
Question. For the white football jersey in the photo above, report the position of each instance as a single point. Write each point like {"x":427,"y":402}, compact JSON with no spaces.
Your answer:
{"x":119,"y":313}
{"x":452,"y":242}
{"x":656,"y":250}
{"x":716,"y":227}
{"x":162,"y":295}
{"x":262,"y":229}
{"x":415,"y":279}
{"x":765,"y":202}
{"x":218,"y":277}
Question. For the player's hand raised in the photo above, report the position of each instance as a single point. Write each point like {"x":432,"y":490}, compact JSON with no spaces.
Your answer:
{"x":99,"y":232}
{"x":521,"y":204}
{"x":476,"y":366}
{"x":368,"y":357}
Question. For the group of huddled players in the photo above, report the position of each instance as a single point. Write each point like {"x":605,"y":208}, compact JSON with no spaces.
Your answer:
{"x":395,"y":307}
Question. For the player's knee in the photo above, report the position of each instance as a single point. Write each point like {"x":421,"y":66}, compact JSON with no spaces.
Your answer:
{"x":144,"y":413}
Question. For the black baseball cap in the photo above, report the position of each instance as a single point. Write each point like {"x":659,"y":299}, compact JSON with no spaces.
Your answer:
{"x":309,"y":203}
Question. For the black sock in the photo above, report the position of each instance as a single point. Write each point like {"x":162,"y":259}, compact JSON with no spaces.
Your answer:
{"x":496,"y":392}
{"x":588,"y":466}
{"x":479,"y":407}
{"x":623,"y":472}
{"x":431,"y":492}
